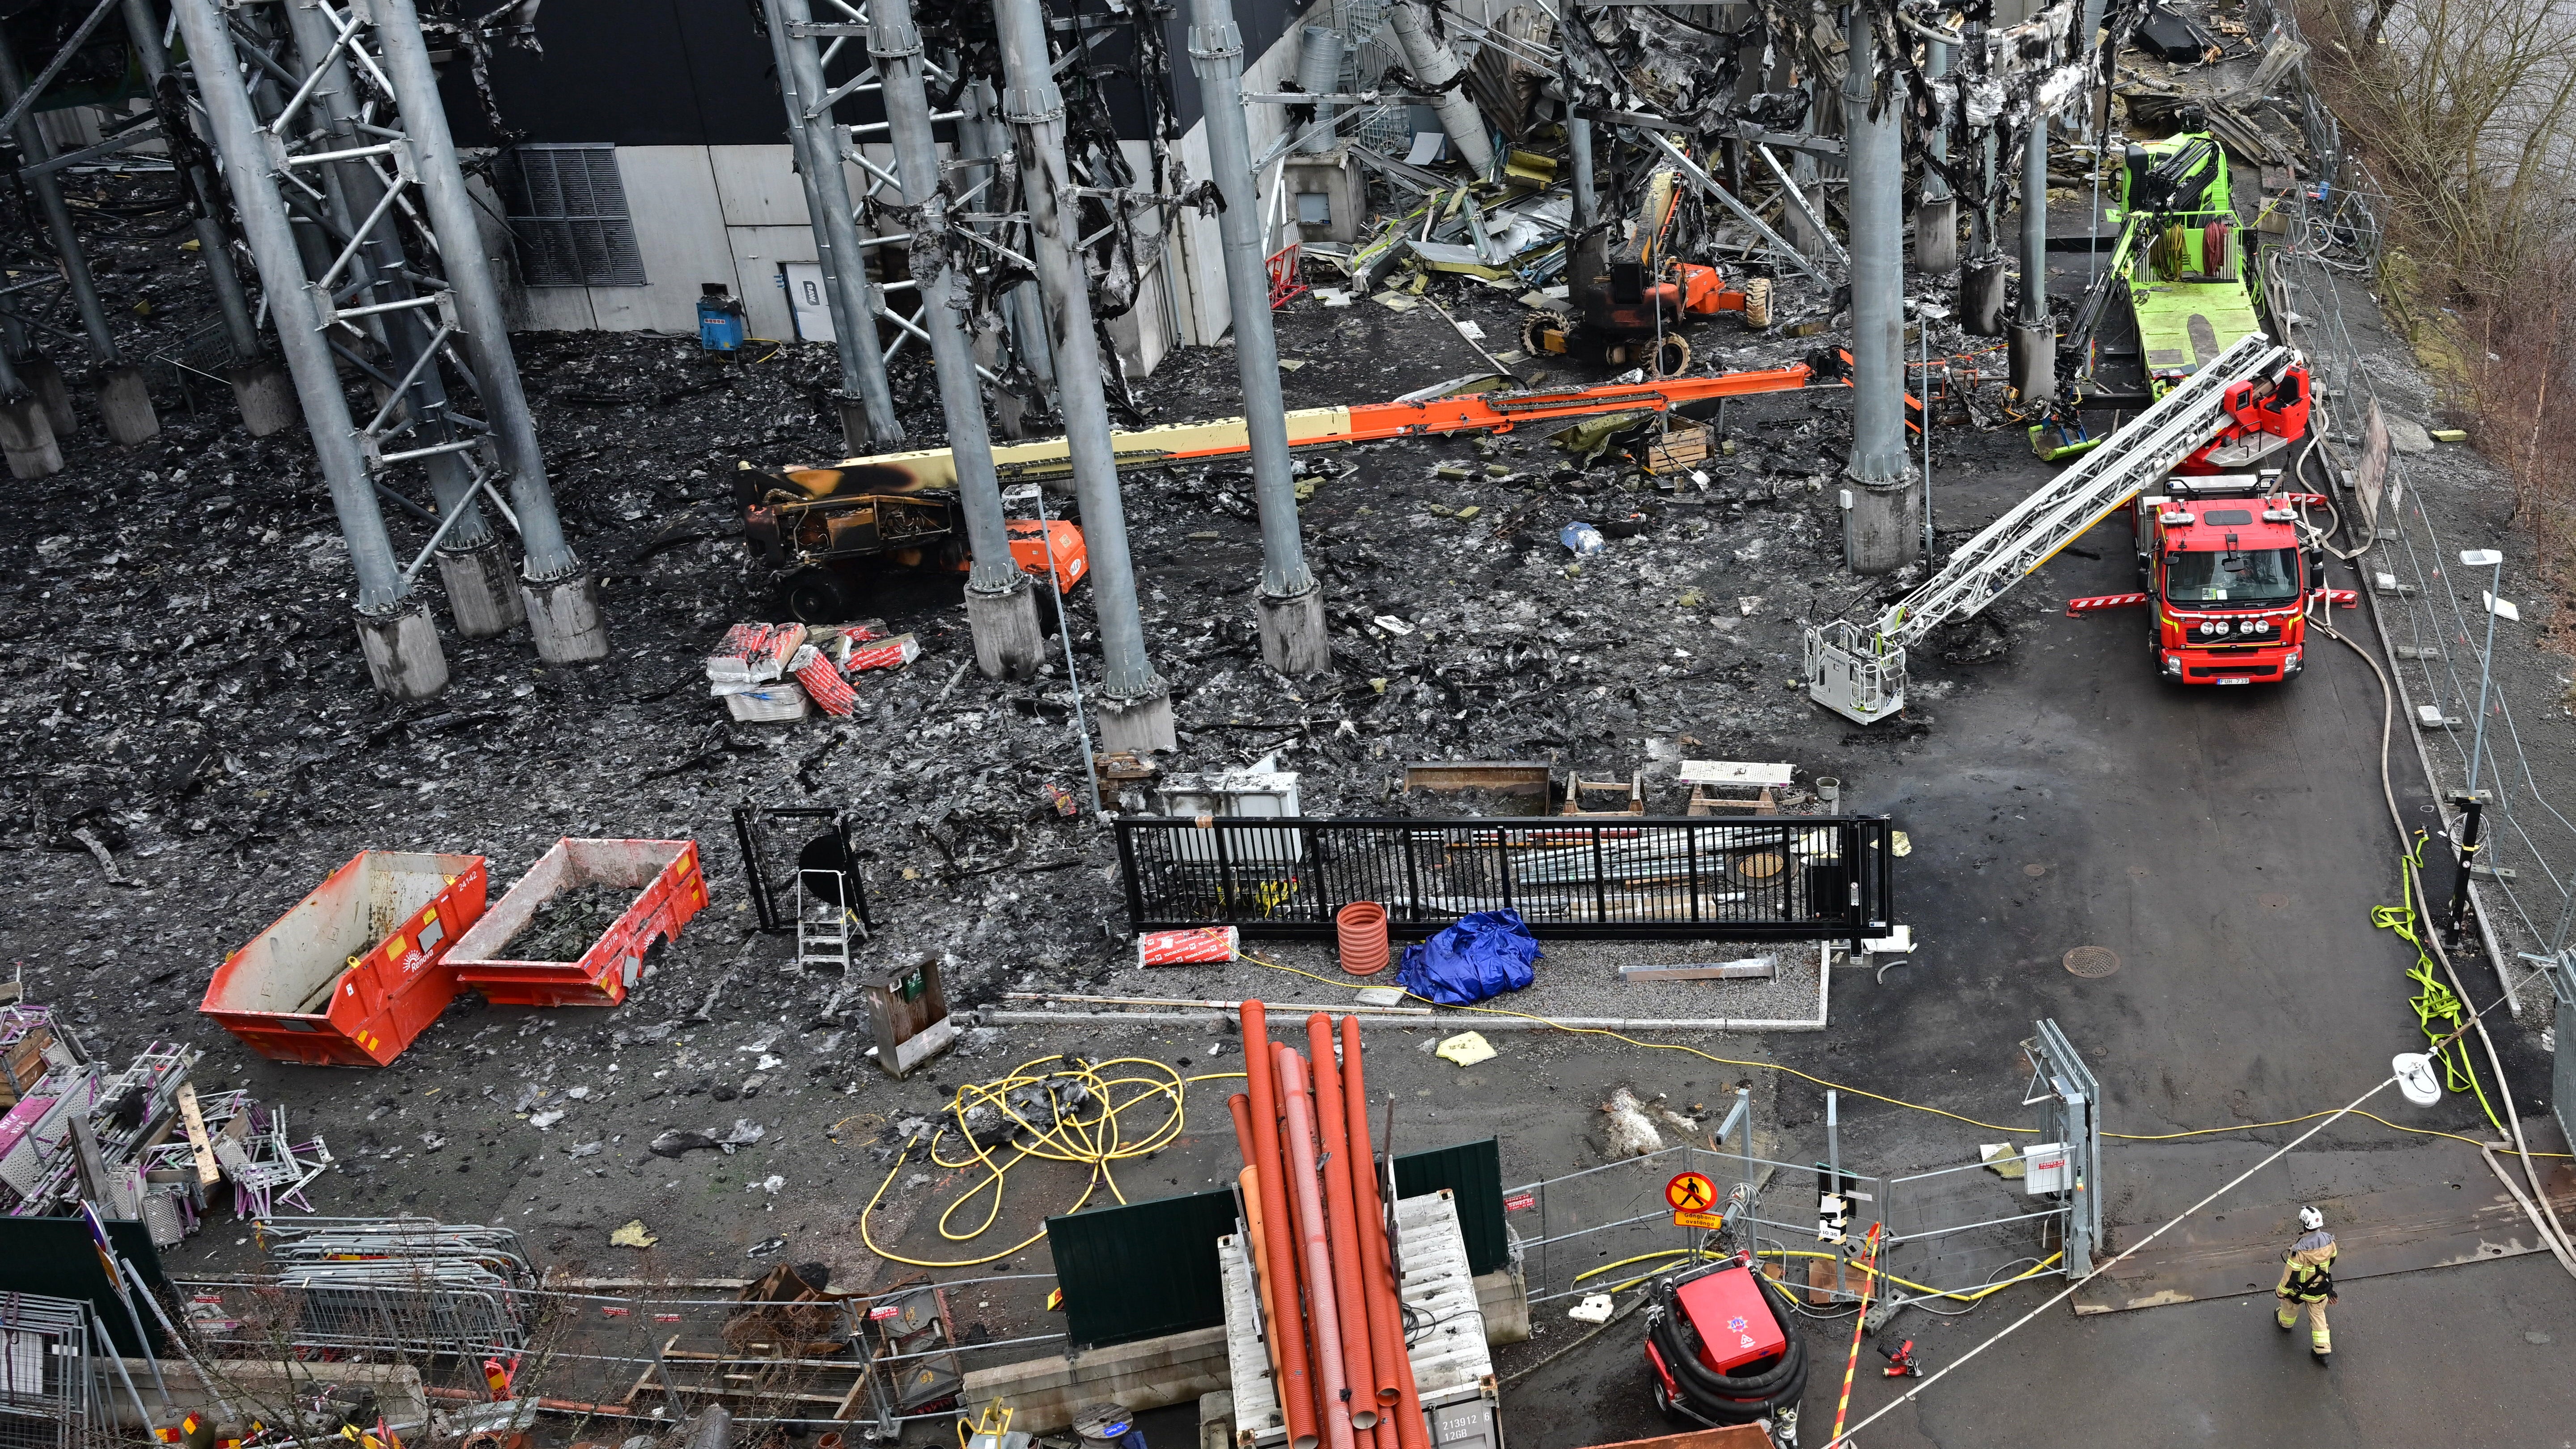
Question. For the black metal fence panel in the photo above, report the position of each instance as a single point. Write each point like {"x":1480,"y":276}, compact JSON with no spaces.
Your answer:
{"x":1785,"y":878}
{"x":1473,"y":1173}
{"x":1141,"y":1270}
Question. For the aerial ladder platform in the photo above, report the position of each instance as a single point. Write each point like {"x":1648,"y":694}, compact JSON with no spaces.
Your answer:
{"x":1858,"y":670}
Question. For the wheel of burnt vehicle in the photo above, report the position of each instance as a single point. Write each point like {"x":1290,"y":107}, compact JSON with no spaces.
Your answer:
{"x":818,"y":596}
{"x":1672,"y":357}
{"x":1543,"y":333}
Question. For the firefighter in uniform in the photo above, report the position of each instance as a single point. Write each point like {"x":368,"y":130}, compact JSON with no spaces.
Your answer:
{"x":2307,"y":1277}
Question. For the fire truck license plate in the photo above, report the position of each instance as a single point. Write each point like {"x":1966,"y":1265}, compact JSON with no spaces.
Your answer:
{"x":2235,"y":681}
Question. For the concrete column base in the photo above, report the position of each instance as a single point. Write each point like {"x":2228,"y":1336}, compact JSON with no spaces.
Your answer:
{"x":1292,"y":632}
{"x":403,"y":657}
{"x":125,"y":407}
{"x":45,"y":380}
{"x":1008,"y":643}
{"x":1138,"y":725}
{"x":1936,"y":235}
{"x":2034,"y":361}
{"x":564,"y":619}
{"x":1883,"y":526}
{"x":265,"y":393}
{"x":27,"y":439}
{"x":854,"y":427}
{"x":482,"y":597}
{"x":1981,"y":296}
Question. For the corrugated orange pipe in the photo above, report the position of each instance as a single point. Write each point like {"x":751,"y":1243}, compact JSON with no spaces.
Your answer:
{"x":1405,"y":1417}
{"x":1321,"y":1304}
{"x":1248,"y":1183}
{"x":1386,"y":1311}
{"x":1332,"y":1124}
{"x":1295,"y":1383}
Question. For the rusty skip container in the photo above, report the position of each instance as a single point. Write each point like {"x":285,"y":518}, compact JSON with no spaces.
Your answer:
{"x":357,"y":969}
{"x":668,"y":889}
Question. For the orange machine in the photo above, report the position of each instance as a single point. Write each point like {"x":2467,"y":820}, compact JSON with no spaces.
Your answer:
{"x":1632,"y":298}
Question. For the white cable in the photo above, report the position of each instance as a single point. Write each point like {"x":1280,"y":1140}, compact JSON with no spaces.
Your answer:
{"x":2071,"y":1289}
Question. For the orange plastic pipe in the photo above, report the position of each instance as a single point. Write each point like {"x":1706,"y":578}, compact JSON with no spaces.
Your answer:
{"x":1404,"y":1417}
{"x":1295,"y":1383}
{"x":1386,"y":1310}
{"x":1312,"y":1230}
{"x":1248,"y":1182}
{"x":1332,"y":1122}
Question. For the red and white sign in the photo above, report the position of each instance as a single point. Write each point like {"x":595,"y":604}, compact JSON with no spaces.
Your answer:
{"x":1184,"y":948}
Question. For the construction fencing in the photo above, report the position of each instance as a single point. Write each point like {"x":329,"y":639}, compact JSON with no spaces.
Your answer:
{"x":1792,"y":878}
{"x":878,"y":1361}
{"x":1947,"y":1234}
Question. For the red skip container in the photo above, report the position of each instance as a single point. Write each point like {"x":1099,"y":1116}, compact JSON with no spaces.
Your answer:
{"x":357,"y":969}
{"x":668,"y":888}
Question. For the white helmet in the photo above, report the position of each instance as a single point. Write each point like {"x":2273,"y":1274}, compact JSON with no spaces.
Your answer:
{"x":2311,"y":1219}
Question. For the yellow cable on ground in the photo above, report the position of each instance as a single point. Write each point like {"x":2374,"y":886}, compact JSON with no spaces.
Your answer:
{"x":2434,"y":1002}
{"x":1964,"y":1295}
{"x":1084,"y":1129}
{"x":1899,"y":1101}
{"x":1654,"y":1046}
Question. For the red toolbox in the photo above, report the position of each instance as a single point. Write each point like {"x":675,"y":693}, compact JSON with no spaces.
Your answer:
{"x":357,"y":969}
{"x":1736,"y":1326}
{"x":668,"y":889}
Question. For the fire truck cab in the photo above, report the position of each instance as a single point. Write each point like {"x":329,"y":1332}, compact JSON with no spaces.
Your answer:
{"x":2227,"y":578}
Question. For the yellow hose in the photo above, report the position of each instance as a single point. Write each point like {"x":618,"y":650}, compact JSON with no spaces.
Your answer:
{"x":1090,"y":1137}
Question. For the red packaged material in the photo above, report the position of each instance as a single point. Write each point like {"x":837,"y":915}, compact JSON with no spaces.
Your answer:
{"x":885,"y":653}
{"x":823,"y":683}
{"x":1185,"y":948}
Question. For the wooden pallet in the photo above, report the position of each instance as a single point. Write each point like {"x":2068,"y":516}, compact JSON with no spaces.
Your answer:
{"x":1682,"y":449}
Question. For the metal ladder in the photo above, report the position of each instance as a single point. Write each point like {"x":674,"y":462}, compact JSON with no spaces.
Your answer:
{"x":823,"y":920}
{"x":1858,"y":670}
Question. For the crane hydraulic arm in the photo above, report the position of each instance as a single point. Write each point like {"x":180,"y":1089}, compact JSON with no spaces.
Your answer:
{"x":1413,"y":416}
{"x":1858,"y":671}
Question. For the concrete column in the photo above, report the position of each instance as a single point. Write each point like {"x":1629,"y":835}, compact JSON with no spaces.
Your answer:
{"x":43,"y":378}
{"x":1001,"y":608}
{"x":1319,"y":72}
{"x":1291,"y":605}
{"x":1936,"y":219}
{"x":2034,"y":336}
{"x":1434,"y":65}
{"x":124,"y":405}
{"x":259,"y":382}
{"x":562,"y":595}
{"x":402,"y":651}
{"x":983,"y":139}
{"x":868,"y":421}
{"x":1882,"y":513}
{"x":1981,"y":280}
{"x":482,"y":597}
{"x":1135,"y":704}
{"x":26,"y":434}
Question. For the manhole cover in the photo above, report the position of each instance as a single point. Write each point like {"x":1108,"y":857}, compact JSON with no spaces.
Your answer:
{"x":2092,"y":960}
{"x":2034,"y":868}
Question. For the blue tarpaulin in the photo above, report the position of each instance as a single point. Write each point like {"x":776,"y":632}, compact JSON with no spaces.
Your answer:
{"x":1483,"y":955}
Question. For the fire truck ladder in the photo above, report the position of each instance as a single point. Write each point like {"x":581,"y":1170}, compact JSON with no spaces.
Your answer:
{"x":1858,"y":671}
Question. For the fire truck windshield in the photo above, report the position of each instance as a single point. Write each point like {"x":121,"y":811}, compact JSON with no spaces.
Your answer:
{"x":2233,"y":576}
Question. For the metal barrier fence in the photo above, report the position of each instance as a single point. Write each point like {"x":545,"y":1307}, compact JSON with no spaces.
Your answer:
{"x":876,"y":1361}
{"x":45,"y":1346}
{"x":1790,"y":878}
{"x":1948,"y":1233}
